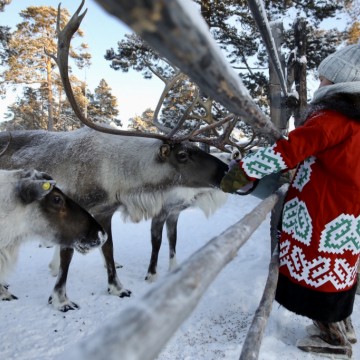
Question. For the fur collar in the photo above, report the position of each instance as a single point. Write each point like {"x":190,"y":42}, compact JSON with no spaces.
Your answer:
{"x":347,"y":104}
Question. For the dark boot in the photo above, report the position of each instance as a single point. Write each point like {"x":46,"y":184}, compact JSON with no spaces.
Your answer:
{"x":327,"y":339}
{"x":349,"y":330}
{"x":332,"y":333}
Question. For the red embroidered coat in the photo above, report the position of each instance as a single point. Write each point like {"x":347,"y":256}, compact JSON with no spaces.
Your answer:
{"x":320,"y":233}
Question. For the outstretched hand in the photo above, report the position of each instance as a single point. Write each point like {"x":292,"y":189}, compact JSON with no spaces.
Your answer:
{"x":234,"y":179}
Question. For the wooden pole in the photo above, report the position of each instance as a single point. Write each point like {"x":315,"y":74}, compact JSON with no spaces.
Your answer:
{"x":252,"y":343}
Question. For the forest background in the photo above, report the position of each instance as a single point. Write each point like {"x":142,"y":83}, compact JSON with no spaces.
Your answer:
{"x":119,"y":80}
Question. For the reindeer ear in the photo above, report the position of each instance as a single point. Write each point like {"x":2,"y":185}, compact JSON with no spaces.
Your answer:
{"x":164,"y":151}
{"x":30,"y":190}
{"x":35,"y":175}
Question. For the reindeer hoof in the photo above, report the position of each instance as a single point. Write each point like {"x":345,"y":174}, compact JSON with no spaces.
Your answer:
{"x":9,"y":297}
{"x":70,"y":306}
{"x":150,"y":278}
{"x":121,"y":292}
{"x":5,"y":295}
{"x":64,"y":305}
{"x":125,"y":293}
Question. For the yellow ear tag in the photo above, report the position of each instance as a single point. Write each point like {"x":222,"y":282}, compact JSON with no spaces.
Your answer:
{"x":46,"y":186}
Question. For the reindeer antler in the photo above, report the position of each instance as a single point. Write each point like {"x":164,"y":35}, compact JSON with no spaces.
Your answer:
{"x":7,"y":145}
{"x":64,"y":39}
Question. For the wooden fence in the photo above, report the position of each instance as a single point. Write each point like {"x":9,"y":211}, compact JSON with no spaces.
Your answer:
{"x":142,"y":329}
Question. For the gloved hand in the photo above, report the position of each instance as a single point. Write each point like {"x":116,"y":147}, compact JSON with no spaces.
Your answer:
{"x":234,"y":179}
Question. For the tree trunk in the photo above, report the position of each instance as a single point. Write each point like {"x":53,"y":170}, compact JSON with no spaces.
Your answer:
{"x":278,"y":111}
{"x":50,"y":96}
{"x":205,"y":9}
{"x":300,"y":68}
{"x":60,"y":103}
{"x":206,"y":14}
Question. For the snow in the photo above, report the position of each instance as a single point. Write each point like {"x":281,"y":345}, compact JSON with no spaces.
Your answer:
{"x":32,"y":329}
{"x":302,"y":59}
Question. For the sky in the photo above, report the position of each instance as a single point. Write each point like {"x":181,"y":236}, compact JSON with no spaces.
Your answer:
{"x":102,"y":32}
{"x":33,"y":330}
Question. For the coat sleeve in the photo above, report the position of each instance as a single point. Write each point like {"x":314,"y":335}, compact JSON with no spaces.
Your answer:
{"x":323,"y":130}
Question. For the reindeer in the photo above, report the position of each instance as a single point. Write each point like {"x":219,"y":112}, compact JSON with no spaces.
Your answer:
{"x":177,"y":200}
{"x":105,"y":173}
{"x":105,"y":170}
{"x":32,"y":206}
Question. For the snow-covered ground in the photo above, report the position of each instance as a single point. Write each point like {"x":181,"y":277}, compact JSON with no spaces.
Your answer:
{"x":32,"y":330}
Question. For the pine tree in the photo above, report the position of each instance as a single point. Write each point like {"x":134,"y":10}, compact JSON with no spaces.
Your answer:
{"x":103,"y":105}
{"x":28,"y":63}
{"x":143,"y":123}
{"x":3,"y":3}
{"x":353,"y":11}
{"x":4,"y":36}
{"x":27,"y":112}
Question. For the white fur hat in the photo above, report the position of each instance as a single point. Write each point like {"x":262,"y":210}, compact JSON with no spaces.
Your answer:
{"x":342,"y":66}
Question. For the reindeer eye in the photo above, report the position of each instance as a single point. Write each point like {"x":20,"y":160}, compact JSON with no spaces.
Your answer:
{"x":57,"y":200}
{"x":182,"y":156}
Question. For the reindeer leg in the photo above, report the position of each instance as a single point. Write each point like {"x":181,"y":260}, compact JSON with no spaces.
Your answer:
{"x":171,"y":227}
{"x":58,"y":299}
{"x":54,"y":264}
{"x":157,"y":225}
{"x":117,"y":265}
{"x":114,"y":285}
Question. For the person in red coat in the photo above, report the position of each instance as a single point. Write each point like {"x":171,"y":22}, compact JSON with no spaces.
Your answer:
{"x":319,"y":241}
